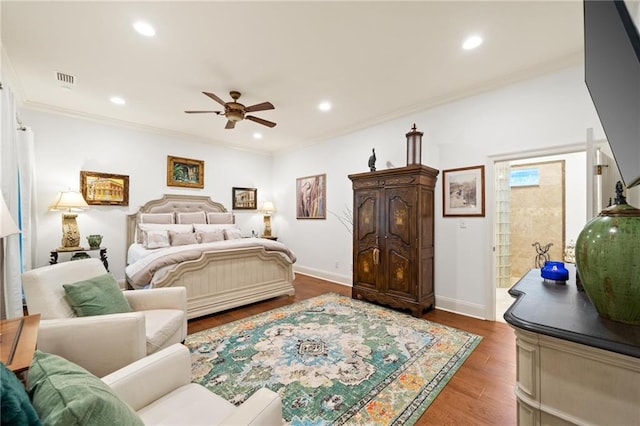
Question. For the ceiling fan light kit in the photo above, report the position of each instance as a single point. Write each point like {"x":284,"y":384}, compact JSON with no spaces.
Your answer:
{"x":235,"y":111}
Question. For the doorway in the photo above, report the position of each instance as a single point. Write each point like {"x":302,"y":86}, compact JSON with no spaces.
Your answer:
{"x":538,"y":200}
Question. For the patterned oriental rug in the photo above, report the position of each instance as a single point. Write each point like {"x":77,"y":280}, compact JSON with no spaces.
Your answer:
{"x":333,"y":360}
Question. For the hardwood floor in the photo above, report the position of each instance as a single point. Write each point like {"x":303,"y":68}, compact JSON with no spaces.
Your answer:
{"x":481,"y":391}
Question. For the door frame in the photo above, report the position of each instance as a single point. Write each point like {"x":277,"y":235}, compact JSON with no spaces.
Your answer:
{"x":490,"y":294}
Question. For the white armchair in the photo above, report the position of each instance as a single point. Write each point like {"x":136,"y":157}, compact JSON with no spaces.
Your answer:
{"x":159,"y":389}
{"x":103,"y":343}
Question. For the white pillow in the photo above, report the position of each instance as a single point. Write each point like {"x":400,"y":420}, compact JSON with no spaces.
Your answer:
{"x":232,"y":234}
{"x":212,"y":227}
{"x":210,"y":236}
{"x":144,"y":227}
{"x":220,"y":218}
{"x":154,"y":239}
{"x":192,"y":217}
{"x":182,"y":238}
{"x":166,"y":218}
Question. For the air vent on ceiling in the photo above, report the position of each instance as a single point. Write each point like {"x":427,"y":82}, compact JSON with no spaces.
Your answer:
{"x":66,"y":80}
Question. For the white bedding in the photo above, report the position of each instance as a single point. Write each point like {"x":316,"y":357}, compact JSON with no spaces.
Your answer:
{"x":149,"y":266}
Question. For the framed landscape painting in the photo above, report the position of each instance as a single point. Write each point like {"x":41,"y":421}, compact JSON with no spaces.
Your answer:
{"x":104,"y":188}
{"x":463,"y":191}
{"x":244,"y":198}
{"x":185,"y":172}
{"x":311,"y":197}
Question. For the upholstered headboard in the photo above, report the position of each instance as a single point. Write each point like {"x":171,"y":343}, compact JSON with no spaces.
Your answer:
{"x":172,"y":203}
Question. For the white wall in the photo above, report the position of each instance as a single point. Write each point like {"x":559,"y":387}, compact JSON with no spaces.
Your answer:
{"x":64,"y":146}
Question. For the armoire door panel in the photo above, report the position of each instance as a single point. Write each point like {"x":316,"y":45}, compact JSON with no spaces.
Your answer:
{"x":399,"y":274}
{"x":366,"y":267}
{"x":367,"y":214}
{"x":401,"y":214}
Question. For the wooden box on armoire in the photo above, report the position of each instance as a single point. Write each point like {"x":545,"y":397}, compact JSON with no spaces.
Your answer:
{"x":393,"y":223}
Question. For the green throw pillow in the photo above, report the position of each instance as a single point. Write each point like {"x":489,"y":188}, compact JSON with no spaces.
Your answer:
{"x":66,"y":394}
{"x":16,"y":407}
{"x":99,"y":295}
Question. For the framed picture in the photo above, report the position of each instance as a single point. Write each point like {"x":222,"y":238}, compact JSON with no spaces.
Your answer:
{"x":104,"y":188}
{"x":311,"y":197}
{"x":244,"y":198}
{"x":463,"y":191}
{"x":185,"y":172}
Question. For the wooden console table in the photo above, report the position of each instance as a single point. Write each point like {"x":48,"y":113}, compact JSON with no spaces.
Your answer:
{"x":18,"y":338}
{"x":573,"y":366}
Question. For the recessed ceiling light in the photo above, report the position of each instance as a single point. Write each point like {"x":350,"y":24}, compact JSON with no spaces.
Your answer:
{"x":144,"y":29}
{"x":472,"y":42}
{"x":117,"y":100}
{"x":257,"y":135}
{"x":324,"y":106}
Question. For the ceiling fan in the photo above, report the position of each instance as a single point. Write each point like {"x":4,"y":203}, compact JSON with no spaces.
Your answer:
{"x":235,"y":111}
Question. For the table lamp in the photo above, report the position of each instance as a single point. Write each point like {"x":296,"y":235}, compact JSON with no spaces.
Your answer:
{"x":69,"y":201}
{"x":267,"y":209}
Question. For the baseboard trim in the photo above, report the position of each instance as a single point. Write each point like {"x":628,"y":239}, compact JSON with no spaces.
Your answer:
{"x":328,"y":276}
{"x":459,"y":307}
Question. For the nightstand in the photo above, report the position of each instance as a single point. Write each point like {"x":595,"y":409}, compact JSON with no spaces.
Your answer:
{"x":79,"y":254}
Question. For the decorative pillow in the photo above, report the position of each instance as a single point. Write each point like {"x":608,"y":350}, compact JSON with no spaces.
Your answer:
{"x":219,"y":218}
{"x":232,"y":234}
{"x":182,"y":238}
{"x":211,"y":227}
{"x":143,"y":227}
{"x":210,"y":236}
{"x":195,"y":217}
{"x":155,"y":239}
{"x":64,"y":393}
{"x":164,"y":218}
{"x":16,"y":407}
{"x":99,"y":295}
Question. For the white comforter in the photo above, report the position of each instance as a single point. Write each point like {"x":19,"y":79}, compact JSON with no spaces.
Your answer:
{"x":149,"y":266}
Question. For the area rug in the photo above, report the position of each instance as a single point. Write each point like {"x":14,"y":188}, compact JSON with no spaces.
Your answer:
{"x":333,"y":360}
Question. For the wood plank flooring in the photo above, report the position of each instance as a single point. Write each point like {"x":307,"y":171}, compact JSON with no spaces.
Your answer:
{"x":481,"y":391}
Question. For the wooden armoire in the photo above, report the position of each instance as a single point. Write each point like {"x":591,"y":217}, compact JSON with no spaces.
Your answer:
{"x":393,"y":222}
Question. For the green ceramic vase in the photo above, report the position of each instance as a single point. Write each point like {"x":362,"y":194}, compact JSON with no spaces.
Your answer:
{"x":608,"y":262}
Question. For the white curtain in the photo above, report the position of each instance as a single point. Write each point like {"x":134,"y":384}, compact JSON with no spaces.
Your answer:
{"x":17,"y":181}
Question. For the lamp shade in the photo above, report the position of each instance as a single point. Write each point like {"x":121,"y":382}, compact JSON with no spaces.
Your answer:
{"x":69,"y":201}
{"x":7,"y":224}
{"x":267,"y":207}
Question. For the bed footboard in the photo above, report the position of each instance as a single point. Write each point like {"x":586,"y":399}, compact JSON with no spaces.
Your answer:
{"x":217,"y":281}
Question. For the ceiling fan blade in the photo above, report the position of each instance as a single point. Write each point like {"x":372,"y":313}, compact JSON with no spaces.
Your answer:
{"x":200,"y":112}
{"x":260,"y":107}
{"x":215,"y":98}
{"x":230,"y":124}
{"x":261,"y":121}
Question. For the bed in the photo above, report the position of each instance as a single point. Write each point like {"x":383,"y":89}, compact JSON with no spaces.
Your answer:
{"x":218,"y":274}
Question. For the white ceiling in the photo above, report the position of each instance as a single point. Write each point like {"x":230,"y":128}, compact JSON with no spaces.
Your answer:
{"x":375,"y":61}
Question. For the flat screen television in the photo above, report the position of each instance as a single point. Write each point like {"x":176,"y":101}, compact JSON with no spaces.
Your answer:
{"x":612,"y":75}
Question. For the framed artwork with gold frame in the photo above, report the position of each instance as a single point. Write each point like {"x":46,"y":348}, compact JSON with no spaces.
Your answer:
{"x":185,"y":172}
{"x":104,"y":188}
